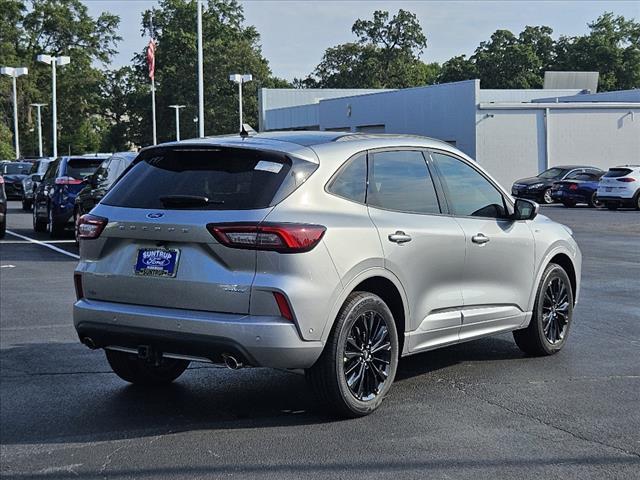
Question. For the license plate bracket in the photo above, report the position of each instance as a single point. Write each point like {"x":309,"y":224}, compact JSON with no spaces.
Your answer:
{"x":157,"y":262}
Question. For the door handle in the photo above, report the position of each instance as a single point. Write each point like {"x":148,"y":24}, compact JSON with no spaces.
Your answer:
{"x":480,"y":239}
{"x":399,"y":237}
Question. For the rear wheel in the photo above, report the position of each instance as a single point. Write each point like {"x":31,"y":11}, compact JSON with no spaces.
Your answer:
{"x":637,"y":201}
{"x":38,"y":224}
{"x":358,"y":364}
{"x":54,"y":229}
{"x":594,"y":202}
{"x":142,"y":372}
{"x":552,"y":313}
{"x":26,"y":204}
{"x":546,"y":197}
{"x":3,"y":227}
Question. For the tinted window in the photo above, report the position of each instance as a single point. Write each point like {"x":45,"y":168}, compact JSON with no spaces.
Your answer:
{"x":220,"y":179}
{"x":52,"y":169}
{"x":574,"y":174}
{"x":553,"y":173}
{"x":113,"y":170}
{"x":351,"y":180}
{"x":401,"y":181}
{"x":12,"y":168}
{"x":468,"y":192}
{"x":617,"y":172}
{"x":82,"y":167}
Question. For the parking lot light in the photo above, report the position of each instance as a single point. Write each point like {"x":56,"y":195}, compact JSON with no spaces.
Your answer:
{"x":15,"y":72}
{"x":240,"y":79}
{"x":53,"y":61}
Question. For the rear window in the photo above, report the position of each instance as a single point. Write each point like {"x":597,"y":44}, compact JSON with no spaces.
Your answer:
{"x":208,"y":179}
{"x":82,"y":167}
{"x":15,"y":168}
{"x":617,"y":172}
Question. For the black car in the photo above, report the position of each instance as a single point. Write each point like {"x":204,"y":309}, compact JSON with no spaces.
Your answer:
{"x":13,"y":173}
{"x":54,"y":199}
{"x":28,"y":185}
{"x":97,"y":184}
{"x":3,"y":208}
{"x":539,"y":188}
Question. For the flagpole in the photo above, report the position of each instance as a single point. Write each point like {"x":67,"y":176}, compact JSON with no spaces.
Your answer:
{"x":200,"y":72}
{"x":153,"y":107}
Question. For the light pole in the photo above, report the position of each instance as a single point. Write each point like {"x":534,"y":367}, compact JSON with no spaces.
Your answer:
{"x":15,"y":73}
{"x":39,"y":106}
{"x":177,"y":109}
{"x":53,"y":61}
{"x":240,"y":79}
{"x":200,"y":74}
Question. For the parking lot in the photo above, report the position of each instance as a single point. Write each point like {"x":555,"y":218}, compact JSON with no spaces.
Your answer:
{"x":478,"y":409}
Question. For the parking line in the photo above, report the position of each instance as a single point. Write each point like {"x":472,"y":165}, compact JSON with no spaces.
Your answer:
{"x":38,"y":242}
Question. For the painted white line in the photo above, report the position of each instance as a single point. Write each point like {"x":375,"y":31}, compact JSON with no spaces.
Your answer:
{"x":43,"y":241}
{"x":38,"y":242}
{"x":7,"y":266}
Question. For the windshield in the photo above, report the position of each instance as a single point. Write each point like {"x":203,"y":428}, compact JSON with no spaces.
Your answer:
{"x":15,"y":168}
{"x":82,"y":167}
{"x":553,"y":173}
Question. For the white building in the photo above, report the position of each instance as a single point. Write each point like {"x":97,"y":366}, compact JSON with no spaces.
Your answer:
{"x":512,"y":133}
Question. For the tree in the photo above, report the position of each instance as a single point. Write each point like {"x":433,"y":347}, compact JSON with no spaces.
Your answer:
{"x":612,"y":48}
{"x":57,"y":27}
{"x":385,"y":55}
{"x":457,"y":69}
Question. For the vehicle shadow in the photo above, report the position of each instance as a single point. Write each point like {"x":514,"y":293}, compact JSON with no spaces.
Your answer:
{"x":62,"y":393}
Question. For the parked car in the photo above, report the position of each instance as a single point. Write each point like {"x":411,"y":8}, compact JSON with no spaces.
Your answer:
{"x":332,"y":252}
{"x":3,"y":208}
{"x":582,"y":189}
{"x":538,"y":188}
{"x":97,"y":184}
{"x":54,"y":199}
{"x":38,"y":169}
{"x":620,"y":187}
{"x":13,"y":173}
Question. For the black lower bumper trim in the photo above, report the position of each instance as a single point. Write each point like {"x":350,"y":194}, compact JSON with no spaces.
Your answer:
{"x":187,"y":344}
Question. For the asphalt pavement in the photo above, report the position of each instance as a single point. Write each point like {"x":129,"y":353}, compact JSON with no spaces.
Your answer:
{"x":480,"y":409}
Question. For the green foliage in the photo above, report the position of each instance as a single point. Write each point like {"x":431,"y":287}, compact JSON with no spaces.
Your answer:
{"x":612,"y":48}
{"x":6,"y":143}
{"x":385,"y":55}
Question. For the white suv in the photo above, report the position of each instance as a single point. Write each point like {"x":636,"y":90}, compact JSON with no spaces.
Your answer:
{"x":620,"y":187}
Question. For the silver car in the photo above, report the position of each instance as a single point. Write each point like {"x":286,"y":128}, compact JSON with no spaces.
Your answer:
{"x":336,"y":253}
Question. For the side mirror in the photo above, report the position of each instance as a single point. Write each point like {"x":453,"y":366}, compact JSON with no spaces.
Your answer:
{"x":525,"y":209}
{"x":36,"y":178}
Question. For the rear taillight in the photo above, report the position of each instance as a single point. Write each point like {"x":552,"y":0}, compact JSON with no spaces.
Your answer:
{"x":282,"y":237}
{"x":626,"y":179}
{"x":77,"y":281}
{"x":283,"y":306}
{"x":1,"y":180}
{"x":573,"y":186}
{"x":67,"y":181}
{"x":91,"y":226}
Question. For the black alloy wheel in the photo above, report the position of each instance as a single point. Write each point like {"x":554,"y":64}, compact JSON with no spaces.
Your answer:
{"x":555,"y":311}
{"x":367,"y":356}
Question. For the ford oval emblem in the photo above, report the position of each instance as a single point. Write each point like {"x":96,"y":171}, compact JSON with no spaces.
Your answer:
{"x":155,"y":215}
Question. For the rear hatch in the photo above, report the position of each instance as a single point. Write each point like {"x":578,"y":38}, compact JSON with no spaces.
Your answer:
{"x":76,"y":170}
{"x":157,"y":250}
{"x":614,"y":180}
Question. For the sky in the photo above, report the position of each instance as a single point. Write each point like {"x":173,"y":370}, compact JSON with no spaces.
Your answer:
{"x":295,"y":33}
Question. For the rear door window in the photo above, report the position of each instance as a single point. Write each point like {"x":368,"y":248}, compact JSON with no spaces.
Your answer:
{"x":208,"y":179}
{"x":401,"y":181}
{"x":79,"y":168}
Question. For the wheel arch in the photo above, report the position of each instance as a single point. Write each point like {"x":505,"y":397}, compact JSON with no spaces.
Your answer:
{"x":565,"y":262}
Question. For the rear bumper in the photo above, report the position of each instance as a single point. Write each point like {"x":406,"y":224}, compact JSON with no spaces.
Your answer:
{"x":617,"y":200}
{"x":260,"y":341}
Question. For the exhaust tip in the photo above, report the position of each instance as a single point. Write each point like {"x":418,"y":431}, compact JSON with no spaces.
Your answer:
{"x":88,"y":341}
{"x":231,"y":362}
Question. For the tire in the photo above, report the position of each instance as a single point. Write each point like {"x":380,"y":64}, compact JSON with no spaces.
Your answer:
{"x":612,"y":205}
{"x":26,"y":205}
{"x":54,"y":229}
{"x":38,"y":224}
{"x":135,"y":370}
{"x":3,"y":228}
{"x":76,"y":217}
{"x":555,"y":297}
{"x":569,"y":204}
{"x":594,"y":202}
{"x":376,"y":369}
{"x":637,"y":200}
{"x":546,"y":197}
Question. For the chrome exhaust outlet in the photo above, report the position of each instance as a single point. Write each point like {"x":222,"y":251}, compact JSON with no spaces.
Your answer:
{"x":231,"y":362}
{"x":88,"y":341}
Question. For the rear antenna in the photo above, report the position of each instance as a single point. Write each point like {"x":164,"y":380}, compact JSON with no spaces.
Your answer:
{"x":247,"y":131}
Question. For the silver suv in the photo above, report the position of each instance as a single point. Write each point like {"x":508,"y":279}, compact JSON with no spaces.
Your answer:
{"x":335,"y":253}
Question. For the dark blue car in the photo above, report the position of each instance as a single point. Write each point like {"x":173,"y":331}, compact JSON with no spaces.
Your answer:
{"x":582,"y":189}
{"x":54,"y":199}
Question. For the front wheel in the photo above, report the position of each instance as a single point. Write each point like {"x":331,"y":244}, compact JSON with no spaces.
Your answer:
{"x":546,"y":197}
{"x":359,"y":362}
{"x":552,"y":313}
{"x":143,"y":372}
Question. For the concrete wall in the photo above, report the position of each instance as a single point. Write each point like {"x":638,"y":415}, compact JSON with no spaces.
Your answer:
{"x":446,"y":112}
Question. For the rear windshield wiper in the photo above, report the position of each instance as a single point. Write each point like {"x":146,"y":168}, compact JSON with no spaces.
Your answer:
{"x":188,"y":201}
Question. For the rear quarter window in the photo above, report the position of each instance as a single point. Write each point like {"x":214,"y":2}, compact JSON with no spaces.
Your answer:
{"x":228,"y":178}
